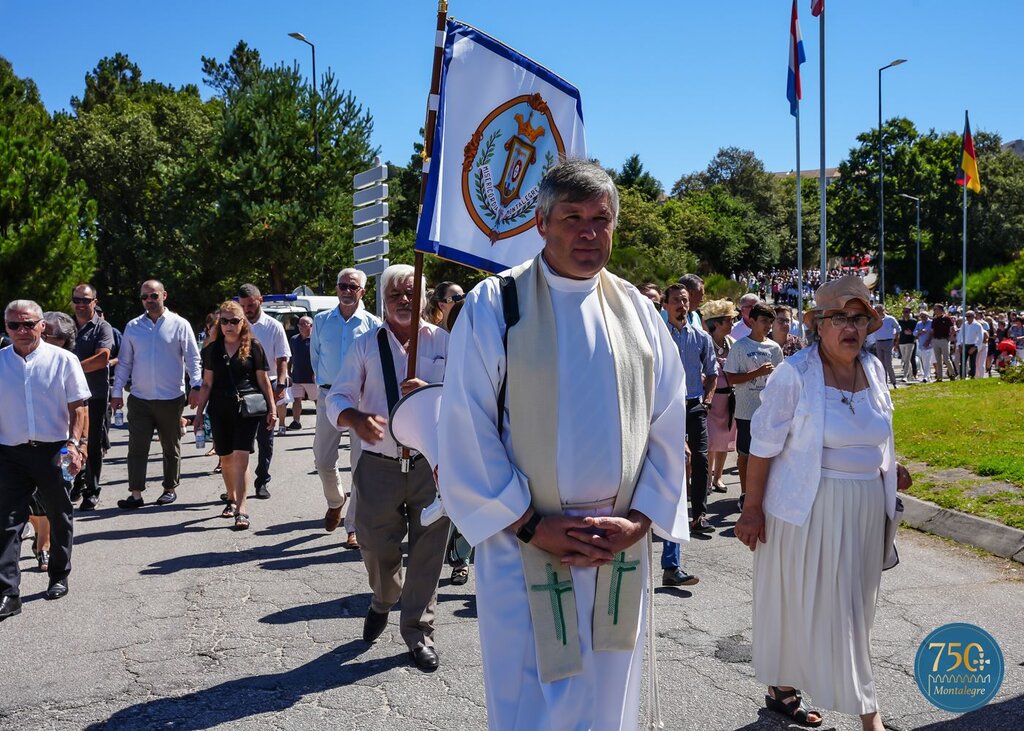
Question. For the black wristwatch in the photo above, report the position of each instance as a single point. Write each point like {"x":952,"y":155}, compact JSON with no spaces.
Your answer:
{"x":525,"y":533}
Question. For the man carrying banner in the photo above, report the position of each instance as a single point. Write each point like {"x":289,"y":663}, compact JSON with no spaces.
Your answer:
{"x":564,"y":448}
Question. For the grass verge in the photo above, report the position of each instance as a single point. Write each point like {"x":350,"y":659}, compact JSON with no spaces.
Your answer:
{"x":974,"y":425}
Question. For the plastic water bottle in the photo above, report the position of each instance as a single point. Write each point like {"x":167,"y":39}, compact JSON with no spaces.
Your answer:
{"x":119,"y":418}
{"x":65,"y":464}
{"x":200,"y":440}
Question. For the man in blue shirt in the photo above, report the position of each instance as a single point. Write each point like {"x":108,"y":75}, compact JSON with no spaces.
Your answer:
{"x":301,"y":370}
{"x":333,"y":333}
{"x":697,"y":352}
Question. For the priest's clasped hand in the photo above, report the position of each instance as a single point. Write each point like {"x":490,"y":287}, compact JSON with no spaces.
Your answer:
{"x":609,"y":533}
{"x":557,"y":535}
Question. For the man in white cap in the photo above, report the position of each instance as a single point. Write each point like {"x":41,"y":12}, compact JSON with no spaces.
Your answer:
{"x":558,"y":486}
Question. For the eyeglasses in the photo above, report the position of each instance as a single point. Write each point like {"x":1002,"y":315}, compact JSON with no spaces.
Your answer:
{"x":454,"y":298}
{"x":346,"y":287}
{"x":399,"y":295}
{"x":230,"y":320}
{"x":839,"y":320}
{"x":150,"y":296}
{"x":83,"y":300}
{"x":23,"y":325}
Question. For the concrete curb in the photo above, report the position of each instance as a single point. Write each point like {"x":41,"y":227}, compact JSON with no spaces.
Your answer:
{"x":988,"y":535}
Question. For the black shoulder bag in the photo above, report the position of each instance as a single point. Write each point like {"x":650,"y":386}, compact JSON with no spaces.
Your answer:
{"x":250,"y":405}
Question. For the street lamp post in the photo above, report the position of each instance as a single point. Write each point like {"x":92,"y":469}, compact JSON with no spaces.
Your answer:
{"x":881,"y":180}
{"x":918,"y":202}
{"x":316,"y":94}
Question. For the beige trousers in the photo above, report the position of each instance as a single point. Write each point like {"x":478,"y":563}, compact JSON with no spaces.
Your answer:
{"x":390,"y":503}
{"x":326,"y":442}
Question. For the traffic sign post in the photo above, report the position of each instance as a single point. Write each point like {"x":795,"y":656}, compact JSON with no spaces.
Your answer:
{"x":370,"y":218}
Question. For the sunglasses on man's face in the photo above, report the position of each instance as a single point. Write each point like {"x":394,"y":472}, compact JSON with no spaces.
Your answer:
{"x":230,"y":320}
{"x":24,"y":325}
{"x":150,"y":296}
{"x":346,"y":287}
{"x":82,"y":300}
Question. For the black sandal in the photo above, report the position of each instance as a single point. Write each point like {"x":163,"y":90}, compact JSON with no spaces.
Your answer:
{"x":241,"y":521}
{"x":792,"y":706}
{"x":229,"y":511}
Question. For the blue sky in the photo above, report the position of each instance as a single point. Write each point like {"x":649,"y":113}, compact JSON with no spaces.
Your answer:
{"x":671,"y":81}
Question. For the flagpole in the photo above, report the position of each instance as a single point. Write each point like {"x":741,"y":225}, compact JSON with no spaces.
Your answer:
{"x":799,"y":225}
{"x":821,"y":170}
{"x":963,"y":287}
{"x":428,"y":147}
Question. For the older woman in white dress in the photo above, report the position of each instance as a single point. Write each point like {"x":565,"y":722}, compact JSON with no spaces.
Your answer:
{"x":821,"y":481}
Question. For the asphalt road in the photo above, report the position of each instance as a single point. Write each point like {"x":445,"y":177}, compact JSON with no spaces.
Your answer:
{"x":174,"y":621}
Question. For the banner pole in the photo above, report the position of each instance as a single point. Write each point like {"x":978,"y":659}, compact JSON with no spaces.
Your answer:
{"x":799,"y":228}
{"x":963,"y":286}
{"x":821,"y":172}
{"x":428,"y":147}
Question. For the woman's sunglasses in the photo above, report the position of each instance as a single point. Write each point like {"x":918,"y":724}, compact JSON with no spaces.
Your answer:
{"x":230,"y":320}
{"x":454,"y":298}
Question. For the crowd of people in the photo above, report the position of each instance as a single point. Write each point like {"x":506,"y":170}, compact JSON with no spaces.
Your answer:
{"x":557,"y":509}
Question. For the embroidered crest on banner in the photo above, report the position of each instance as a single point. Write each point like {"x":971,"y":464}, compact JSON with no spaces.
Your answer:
{"x":504,"y":161}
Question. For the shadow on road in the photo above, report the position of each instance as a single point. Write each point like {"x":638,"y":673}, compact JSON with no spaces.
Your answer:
{"x":1008,"y":714}
{"x":146,"y":531}
{"x":239,"y":699}
{"x":350,"y":606}
{"x":468,"y":610}
{"x":280,"y":553}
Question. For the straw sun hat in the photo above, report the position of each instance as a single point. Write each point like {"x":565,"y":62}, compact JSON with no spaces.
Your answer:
{"x":835,"y":295}
{"x":713,"y":309}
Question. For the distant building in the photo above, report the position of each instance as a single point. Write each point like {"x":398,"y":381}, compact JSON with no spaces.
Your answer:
{"x":831,"y":174}
{"x":1016,"y":147}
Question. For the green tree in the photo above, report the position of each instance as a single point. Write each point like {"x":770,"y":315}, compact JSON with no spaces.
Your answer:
{"x":281,"y":215}
{"x":632,"y":175}
{"x":143,"y":150}
{"x":46,"y":224}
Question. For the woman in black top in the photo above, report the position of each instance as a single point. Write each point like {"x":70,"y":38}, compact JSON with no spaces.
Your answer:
{"x":234,"y":365}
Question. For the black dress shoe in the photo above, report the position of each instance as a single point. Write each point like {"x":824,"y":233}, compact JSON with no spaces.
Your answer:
{"x":677,"y":577}
{"x":167,"y":498}
{"x":374,"y":625}
{"x":425,"y":659}
{"x":262,"y":492}
{"x":88,"y":503}
{"x":57,"y":589}
{"x":9,"y":606}
{"x":131,"y":503}
{"x":75,"y":494}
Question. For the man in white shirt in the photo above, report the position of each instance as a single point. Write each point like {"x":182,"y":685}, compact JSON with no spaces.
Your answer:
{"x":742,"y":327}
{"x":333,"y":334}
{"x":595,"y":413}
{"x":393,"y":491}
{"x":272,"y":337}
{"x":158,"y":349}
{"x":970,"y":337}
{"x":44,"y":392}
{"x":884,"y":340}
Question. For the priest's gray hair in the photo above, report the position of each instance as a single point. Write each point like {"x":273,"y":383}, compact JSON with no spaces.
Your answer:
{"x":576,"y":181}
{"x":24,"y":306}
{"x":399,"y":273}
{"x":61,"y":326}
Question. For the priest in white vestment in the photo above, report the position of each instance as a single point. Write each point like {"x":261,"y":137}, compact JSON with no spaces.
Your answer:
{"x":602,"y":335}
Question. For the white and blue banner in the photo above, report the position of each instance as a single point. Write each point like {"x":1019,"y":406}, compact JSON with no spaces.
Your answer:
{"x":502,"y":121}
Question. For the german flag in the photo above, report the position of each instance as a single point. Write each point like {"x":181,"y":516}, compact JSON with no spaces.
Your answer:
{"x":967,"y":171}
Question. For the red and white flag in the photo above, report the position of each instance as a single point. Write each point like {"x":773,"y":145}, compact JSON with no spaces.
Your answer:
{"x":817,"y":7}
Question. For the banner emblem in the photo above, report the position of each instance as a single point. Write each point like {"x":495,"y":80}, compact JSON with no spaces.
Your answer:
{"x":524,"y":128}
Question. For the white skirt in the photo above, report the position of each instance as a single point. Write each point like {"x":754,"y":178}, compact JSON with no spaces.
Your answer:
{"x":815,"y":588}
